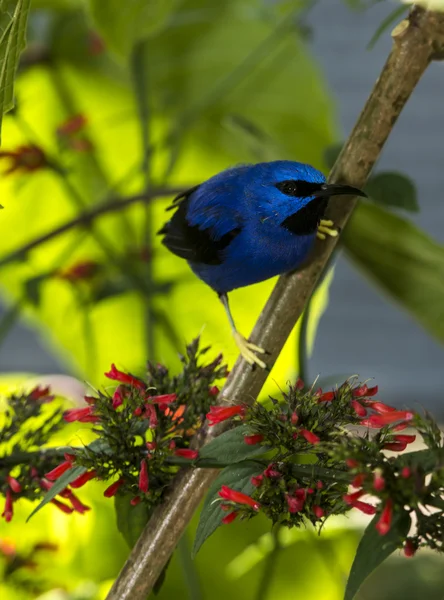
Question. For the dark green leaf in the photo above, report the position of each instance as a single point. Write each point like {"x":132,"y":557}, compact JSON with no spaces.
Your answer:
{"x":130,"y":519}
{"x":331,"y":154}
{"x":58,"y":487}
{"x":424,"y":459}
{"x":402,"y":259}
{"x":373,"y":549}
{"x":237,"y":477}
{"x":230,"y":448}
{"x":393,"y":189}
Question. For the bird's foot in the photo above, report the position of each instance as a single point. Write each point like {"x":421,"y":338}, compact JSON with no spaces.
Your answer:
{"x":249,"y":351}
{"x":325,"y":228}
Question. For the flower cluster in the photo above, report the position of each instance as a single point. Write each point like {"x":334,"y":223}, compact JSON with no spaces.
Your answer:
{"x":322,"y":464}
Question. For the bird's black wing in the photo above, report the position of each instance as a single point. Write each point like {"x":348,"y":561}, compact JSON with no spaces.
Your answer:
{"x":189,"y":241}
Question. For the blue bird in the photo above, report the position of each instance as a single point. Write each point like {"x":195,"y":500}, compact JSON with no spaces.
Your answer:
{"x":250,"y":223}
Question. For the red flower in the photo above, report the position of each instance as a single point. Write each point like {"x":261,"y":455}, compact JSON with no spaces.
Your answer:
{"x":380,"y":407}
{"x":118,"y":396}
{"x":72,"y":125}
{"x":151,"y":445}
{"x":358,"y":408}
{"x":294,"y":418}
{"x":409,"y":548}
{"x":351,"y":498}
{"x":257,"y":480}
{"x":230,"y":517}
{"x":406,"y":472}
{"x":295,"y":504}
{"x":405,"y":439}
{"x":271,"y":471}
{"x":319,"y":485}
{"x":372,"y":391}
{"x":8,"y":511}
{"x":117,"y":375}
{"x":326,"y":397}
{"x":252,"y":440}
{"x":351,"y":463}
{"x":299,"y":385}
{"x":13,"y":484}
{"x":395,"y":446}
{"x":60,"y":469}
{"x":62,"y":506}
{"x":360,"y":391}
{"x":318,"y":512}
{"x":83,"y":415}
{"x":238,"y":497}
{"x":80,"y":271}
{"x":83,"y":478}
{"x":378,"y":421}
{"x":135,"y":501}
{"x":143,"y":477}
{"x":213,"y":391}
{"x":42,"y":394}
{"x":367,"y":509}
{"x":358,"y":480}
{"x":151,"y":414}
{"x":310,"y":437}
{"x":113,"y":488}
{"x":163,"y":399}
{"x":385,"y":521}
{"x":218,"y":414}
{"x":187,"y":453}
{"x":25,"y":158}
{"x":378,"y":481}
{"x":400,"y":426}
{"x":77,"y":505}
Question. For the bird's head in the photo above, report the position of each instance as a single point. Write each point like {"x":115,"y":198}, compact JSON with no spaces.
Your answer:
{"x":292,"y":194}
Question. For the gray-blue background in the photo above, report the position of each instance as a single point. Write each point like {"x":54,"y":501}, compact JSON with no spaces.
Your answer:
{"x":362,"y":332}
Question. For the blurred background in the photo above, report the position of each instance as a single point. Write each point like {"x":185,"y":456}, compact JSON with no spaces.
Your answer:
{"x":113,"y":103}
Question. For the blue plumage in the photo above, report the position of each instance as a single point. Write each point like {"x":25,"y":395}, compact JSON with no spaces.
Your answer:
{"x":250,"y":223}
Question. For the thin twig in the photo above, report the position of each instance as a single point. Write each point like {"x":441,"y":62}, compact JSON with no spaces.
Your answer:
{"x":417,"y":40}
{"x":85,"y":218}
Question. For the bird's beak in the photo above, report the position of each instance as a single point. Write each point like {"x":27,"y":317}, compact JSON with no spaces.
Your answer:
{"x":337,"y":189}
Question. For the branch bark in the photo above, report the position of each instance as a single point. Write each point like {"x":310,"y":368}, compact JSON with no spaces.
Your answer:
{"x":417,"y":41}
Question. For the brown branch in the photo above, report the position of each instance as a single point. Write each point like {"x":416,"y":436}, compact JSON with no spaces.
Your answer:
{"x":85,"y":218}
{"x":417,"y":40}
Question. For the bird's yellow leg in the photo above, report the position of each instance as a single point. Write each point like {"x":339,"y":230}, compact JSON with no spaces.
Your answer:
{"x":247,"y":349}
{"x":325,"y":228}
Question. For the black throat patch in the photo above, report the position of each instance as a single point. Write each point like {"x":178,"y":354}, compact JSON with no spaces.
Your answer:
{"x":306,"y":220}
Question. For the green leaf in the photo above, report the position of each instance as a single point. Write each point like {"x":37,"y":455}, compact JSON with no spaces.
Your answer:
{"x":237,"y":477}
{"x":373,"y":549}
{"x":58,"y":487}
{"x":393,"y":189}
{"x":402,"y":259}
{"x":230,"y":448}
{"x":13,"y":20}
{"x":123,"y":24}
{"x":130,"y":519}
{"x":427,"y":459}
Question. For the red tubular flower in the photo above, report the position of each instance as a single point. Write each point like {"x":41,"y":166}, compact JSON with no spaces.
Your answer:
{"x":83,"y":415}
{"x":113,"y":488}
{"x":83,"y":478}
{"x":80,"y":271}
{"x":257,"y":480}
{"x":372,"y":391}
{"x":400,"y":426}
{"x":62,"y":506}
{"x":299,"y":385}
{"x":326,"y":397}
{"x":351,"y":463}
{"x":91,"y":400}
{"x":238,"y":497}
{"x":143,"y":477}
{"x":350,"y":499}
{"x":378,"y":421}
{"x":358,"y":408}
{"x":367,"y":509}
{"x":59,"y":470}
{"x":405,"y":439}
{"x":309,"y":436}
{"x":213,"y":391}
{"x":25,"y":158}
{"x":319,"y":485}
{"x":406,"y":472}
{"x":187,"y":453}
{"x":271,"y":471}
{"x":295,"y":504}
{"x":8,"y":511}
{"x":72,"y":125}
{"x":118,"y":396}
{"x":151,"y":414}
{"x":395,"y":446}
{"x":358,"y":480}
{"x":135,"y":501}
{"x":378,"y":480}
{"x":385,"y":521}
{"x":252,"y":440}
{"x":409,"y":548}
{"x":76,"y":503}
{"x":162,"y":399}
{"x":41,"y":394}
{"x":294,"y":418}
{"x":218,"y":414}
{"x":360,"y":391}
{"x":230,"y":517}
{"x":117,"y":375}
{"x":380,"y":407}
{"x":318,"y":512}
{"x":13,"y":484}
{"x":151,"y":445}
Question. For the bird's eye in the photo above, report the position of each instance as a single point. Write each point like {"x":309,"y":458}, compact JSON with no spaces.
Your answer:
{"x":288,"y":187}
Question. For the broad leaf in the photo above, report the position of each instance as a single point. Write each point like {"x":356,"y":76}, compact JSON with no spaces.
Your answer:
{"x":373,"y":549}
{"x":123,"y":24}
{"x":130,"y":519}
{"x":393,"y":189}
{"x":402,"y":259}
{"x":237,"y":477}
{"x":58,"y":487}
{"x":13,"y":20}
{"x":230,"y":448}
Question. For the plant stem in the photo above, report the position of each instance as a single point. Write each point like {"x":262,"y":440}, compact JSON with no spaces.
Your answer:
{"x":417,"y":41}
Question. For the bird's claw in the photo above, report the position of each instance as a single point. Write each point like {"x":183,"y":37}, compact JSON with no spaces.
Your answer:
{"x":248,"y":350}
{"x":325,"y":228}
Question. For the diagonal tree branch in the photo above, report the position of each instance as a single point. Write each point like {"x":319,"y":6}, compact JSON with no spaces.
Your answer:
{"x":417,"y":41}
